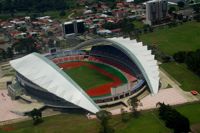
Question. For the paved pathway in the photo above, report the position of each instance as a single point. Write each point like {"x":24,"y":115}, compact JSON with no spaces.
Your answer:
{"x":12,"y":109}
{"x":6,"y":105}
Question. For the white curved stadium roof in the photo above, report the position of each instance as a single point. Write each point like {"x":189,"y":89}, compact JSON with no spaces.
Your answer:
{"x":50,"y":77}
{"x":143,"y":59}
{"x":138,"y":53}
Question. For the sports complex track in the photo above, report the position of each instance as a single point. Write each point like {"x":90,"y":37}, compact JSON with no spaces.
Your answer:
{"x":101,"y":90}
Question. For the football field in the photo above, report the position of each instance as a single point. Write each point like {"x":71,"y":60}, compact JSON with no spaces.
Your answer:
{"x":86,"y":77}
{"x":96,"y":79}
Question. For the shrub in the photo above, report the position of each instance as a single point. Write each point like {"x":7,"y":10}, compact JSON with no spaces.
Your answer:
{"x":180,"y":56}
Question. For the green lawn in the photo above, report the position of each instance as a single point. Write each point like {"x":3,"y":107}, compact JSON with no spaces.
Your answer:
{"x":187,"y":79}
{"x":64,"y":123}
{"x":148,"y":122}
{"x":138,"y":24}
{"x":192,"y":111}
{"x":112,"y":71}
{"x":90,"y":78}
{"x":184,"y":37}
{"x":87,"y":78}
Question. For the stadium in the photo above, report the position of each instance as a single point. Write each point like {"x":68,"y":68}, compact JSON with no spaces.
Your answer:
{"x":91,"y":75}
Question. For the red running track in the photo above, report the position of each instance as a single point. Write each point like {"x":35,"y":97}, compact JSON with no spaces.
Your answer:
{"x":99,"y":90}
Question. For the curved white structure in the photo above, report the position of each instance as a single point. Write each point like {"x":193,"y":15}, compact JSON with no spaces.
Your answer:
{"x":51,"y":78}
{"x":143,"y":59}
{"x":138,"y":53}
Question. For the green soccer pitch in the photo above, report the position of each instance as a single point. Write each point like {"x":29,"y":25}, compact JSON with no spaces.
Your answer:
{"x":89,"y":78}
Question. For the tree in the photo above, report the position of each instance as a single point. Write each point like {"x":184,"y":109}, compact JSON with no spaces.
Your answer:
{"x":173,"y":119}
{"x":0,"y":8}
{"x":3,"y":54}
{"x":151,"y":29}
{"x":166,"y":58}
{"x":62,"y":13}
{"x":193,"y":61}
{"x":180,"y":17}
{"x":139,"y":1}
{"x":111,"y":26}
{"x":50,"y":33}
{"x":137,"y":33}
{"x":9,"y":52}
{"x":26,"y":45}
{"x":181,"y":4}
{"x":125,"y":115}
{"x":127,"y":26}
{"x":34,"y":16}
{"x":146,"y":28}
{"x":173,"y":24}
{"x":171,"y":10}
{"x":134,"y":104}
{"x":36,"y":115}
{"x":22,"y":29}
{"x":180,"y":56}
{"x":104,"y":117}
{"x":36,"y":5}
{"x":196,"y":8}
{"x":197,"y":17}
{"x":8,"y":5}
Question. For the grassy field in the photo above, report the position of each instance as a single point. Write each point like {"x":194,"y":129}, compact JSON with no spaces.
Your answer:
{"x":112,"y":71}
{"x":87,"y":78}
{"x":138,"y":24}
{"x":65,"y":123}
{"x":188,"y":80}
{"x":90,"y":78}
{"x":192,"y":111}
{"x":184,"y":37}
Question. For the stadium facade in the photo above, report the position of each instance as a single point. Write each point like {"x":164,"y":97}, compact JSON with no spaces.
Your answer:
{"x":40,"y":75}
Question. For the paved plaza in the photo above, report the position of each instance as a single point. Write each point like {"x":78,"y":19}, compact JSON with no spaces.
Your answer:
{"x":6,"y":107}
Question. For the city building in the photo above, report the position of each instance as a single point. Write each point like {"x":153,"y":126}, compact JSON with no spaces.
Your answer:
{"x":73,"y":27}
{"x":156,"y":11}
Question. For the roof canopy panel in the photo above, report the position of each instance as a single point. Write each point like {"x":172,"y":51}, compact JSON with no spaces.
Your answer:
{"x":50,"y":77}
{"x":147,"y":64}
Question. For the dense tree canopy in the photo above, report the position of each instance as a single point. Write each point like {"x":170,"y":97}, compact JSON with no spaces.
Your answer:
{"x":25,"y":46}
{"x":196,"y":8}
{"x":35,"y":5}
{"x":181,"y":4}
{"x":180,"y":56}
{"x":191,"y":59}
{"x":173,"y":119}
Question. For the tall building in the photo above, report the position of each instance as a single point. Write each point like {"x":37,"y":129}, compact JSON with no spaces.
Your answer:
{"x":68,"y":28}
{"x":80,"y":28}
{"x":156,"y":11}
{"x":73,"y":27}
